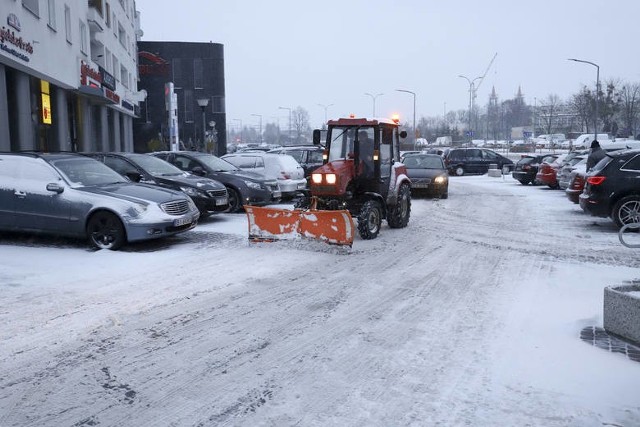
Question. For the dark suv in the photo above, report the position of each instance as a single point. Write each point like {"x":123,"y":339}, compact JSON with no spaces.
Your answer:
{"x":474,"y":160}
{"x":244,"y":187}
{"x":309,"y":157}
{"x":612,"y":188}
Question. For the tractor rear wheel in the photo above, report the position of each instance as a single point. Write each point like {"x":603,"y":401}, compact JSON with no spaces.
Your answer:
{"x":370,"y":220}
{"x":399,"y":215}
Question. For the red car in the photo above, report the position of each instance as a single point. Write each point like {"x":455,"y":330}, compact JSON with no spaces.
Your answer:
{"x":548,"y":171}
{"x":576,"y":184}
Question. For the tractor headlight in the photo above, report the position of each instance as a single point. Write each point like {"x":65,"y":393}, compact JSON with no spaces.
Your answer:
{"x":331,"y":178}
{"x":316,"y":178}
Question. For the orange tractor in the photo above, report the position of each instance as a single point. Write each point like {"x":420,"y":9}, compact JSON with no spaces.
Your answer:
{"x":361,"y":177}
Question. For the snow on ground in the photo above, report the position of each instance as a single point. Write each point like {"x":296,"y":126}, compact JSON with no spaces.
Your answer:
{"x":469,"y":316}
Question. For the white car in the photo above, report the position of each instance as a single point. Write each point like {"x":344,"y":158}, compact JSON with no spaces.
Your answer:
{"x":281,"y":167}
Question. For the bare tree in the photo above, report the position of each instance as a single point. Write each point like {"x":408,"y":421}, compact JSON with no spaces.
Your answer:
{"x":583,"y":104}
{"x":630,"y":107}
{"x":300,"y":120}
{"x":547,"y":111}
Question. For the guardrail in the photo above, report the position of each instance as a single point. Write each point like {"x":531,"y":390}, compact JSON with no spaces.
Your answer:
{"x":634,"y":226}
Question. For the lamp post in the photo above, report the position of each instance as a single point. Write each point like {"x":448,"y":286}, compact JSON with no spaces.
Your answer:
{"x":595,"y":120}
{"x":289,"y":109}
{"x":238,"y":120}
{"x":259,"y":115}
{"x":203,"y":102}
{"x":471,"y":82}
{"x":373,"y":98}
{"x":414,"y":115}
{"x":325,"y":113}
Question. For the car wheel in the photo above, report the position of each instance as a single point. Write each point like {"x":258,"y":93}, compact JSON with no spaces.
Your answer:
{"x":370,"y":220}
{"x":444,"y":195}
{"x":626,"y":211}
{"x":399,"y":215}
{"x":235,"y":200}
{"x":459,"y":171}
{"x":105,"y":231}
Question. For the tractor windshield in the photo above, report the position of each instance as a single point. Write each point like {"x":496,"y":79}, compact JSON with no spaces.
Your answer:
{"x":343,"y":141}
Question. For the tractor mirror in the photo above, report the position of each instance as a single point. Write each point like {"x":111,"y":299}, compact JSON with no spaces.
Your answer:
{"x":316,"y":137}
{"x":403,"y":134}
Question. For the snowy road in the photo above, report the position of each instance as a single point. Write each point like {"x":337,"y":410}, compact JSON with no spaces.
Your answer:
{"x":470,"y":316}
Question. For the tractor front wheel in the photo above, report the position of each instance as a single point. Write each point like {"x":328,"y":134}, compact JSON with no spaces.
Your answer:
{"x":370,"y":220}
{"x":399,"y":215}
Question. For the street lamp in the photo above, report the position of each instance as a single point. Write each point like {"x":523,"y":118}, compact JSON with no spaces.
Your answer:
{"x":595,"y":120}
{"x":203,"y":102}
{"x":259,"y":115}
{"x":471,"y":82}
{"x":289,"y":109}
{"x":414,"y":115}
{"x":373,"y":98}
{"x":238,"y":120}
{"x":325,"y":112}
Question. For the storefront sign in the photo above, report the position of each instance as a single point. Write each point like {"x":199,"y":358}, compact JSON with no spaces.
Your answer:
{"x":13,"y":21}
{"x":150,"y":64}
{"x":89,"y":76}
{"x":112,"y":95}
{"x":127,"y":105}
{"x":46,"y":102}
{"x":12,"y":44}
{"x":108,"y":80}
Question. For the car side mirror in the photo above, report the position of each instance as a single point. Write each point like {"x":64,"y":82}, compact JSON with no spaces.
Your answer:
{"x":403,"y":134}
{"x":134,"y":176}
{"x":55,"y":187}
{"x":197,"y":170}
{"x":316,"y":136}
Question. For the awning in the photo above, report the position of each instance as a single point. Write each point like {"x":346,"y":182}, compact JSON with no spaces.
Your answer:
{"x":95,"y":93}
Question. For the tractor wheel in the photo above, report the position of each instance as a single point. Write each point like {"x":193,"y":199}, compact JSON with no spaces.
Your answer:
{"x":370,"y":220}
{"x":626,"y":211}
{"x":399,"y":215}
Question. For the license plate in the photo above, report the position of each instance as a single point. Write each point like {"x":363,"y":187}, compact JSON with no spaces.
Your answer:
{"x":302,"y":186}
{"x":222,"y":201}
{"x":420,"y":185}
{"x":181,"y":221}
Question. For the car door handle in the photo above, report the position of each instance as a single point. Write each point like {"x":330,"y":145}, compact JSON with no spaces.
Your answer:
{"x":20,"y":194}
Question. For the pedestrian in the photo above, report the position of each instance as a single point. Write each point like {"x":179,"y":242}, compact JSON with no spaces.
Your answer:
{"x":596,"y":154}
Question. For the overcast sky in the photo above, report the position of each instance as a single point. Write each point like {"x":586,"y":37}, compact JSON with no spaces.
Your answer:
{"x":286,"y":53}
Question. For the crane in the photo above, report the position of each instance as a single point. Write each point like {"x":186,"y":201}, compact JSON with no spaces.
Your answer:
{"x":477,"y":86}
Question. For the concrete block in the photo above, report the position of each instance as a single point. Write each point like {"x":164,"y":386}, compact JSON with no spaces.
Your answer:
{"x":622,"y":311}
{"x":494,"y":173}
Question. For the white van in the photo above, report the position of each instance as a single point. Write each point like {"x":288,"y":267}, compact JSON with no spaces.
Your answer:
{"x":585,"y":140}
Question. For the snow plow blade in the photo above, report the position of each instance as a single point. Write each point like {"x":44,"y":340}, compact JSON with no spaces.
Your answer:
{"x":271,"y":224}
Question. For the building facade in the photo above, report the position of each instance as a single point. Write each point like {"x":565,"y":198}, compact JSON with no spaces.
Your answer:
{"x":197,"y":73}
{"x":68,"y":75}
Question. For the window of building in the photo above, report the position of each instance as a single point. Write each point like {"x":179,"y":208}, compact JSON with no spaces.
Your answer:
{"x":67,"y":22}
{"x":124,"y":78}
{"x":107,"y":14}
{"x":108,"y":61}
{"x":217,"y":104}
{"x":177,"y":71}
{"x":198,"y":73}
{"x":52,"y":13}
{"x":97,"y":5}
{"x":83,"y":37}
{"x":32,"y":6}
{"x":115,"y":24}
{"x":116,"y":68}
{"x":188,"y":106}
{"x":122,"y":36}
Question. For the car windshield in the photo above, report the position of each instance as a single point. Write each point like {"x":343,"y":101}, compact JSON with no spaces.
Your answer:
{"x":423,"y":162}
{"x":217,"y":164}
{"x":85,"y":172}
{"x":526,"y":160}
{"x":155,"y":166}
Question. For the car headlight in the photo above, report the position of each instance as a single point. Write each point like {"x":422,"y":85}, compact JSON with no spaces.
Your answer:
{"x":254,"y":185}
{"x":192,"y":192}
{"x":137,"y":210}
{"x":440,"y":180}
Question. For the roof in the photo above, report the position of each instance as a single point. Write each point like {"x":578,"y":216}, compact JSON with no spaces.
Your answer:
{"x":360,"y":122}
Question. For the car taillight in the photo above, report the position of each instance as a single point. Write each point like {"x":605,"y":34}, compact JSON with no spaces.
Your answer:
{"x":595,"y":180}
{"x":526,"y":167}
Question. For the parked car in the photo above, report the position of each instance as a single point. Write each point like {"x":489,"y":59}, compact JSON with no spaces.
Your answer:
{"x":612,"y":188}
{"x":281,"y":167}
{"x":548,"y":170}
{"x":209,"y":196}
{"x":243,"y":187}
{"x":576,"y":181}
{"x":428,"y":175}
{"x":568,"y":166}
{"x":309,"y":156}
{"x":526,"y":169}
{"x":474,"y":160}
{"x":72,"y":195}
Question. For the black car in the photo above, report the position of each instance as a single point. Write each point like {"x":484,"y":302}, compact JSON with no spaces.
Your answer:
{"x":243,"y":187}
{"x":428,"y":175}
{"x":474,"y":160}
{"x":526,"y":169}
{"x":309,"y":157}
{"x":612,"y":188}
{"x":209,"y":196}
